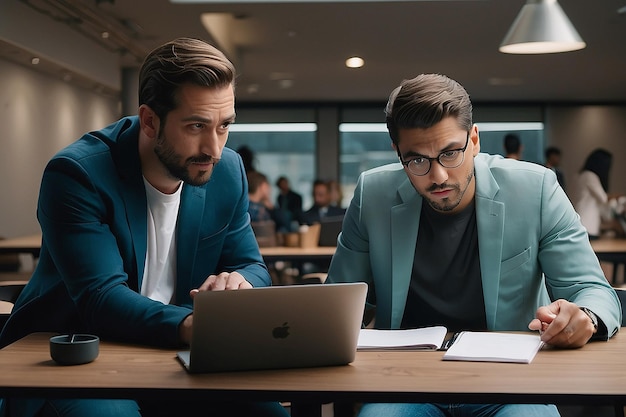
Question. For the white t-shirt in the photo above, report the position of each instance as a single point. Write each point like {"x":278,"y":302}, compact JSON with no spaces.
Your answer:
{"x":159,"y":278}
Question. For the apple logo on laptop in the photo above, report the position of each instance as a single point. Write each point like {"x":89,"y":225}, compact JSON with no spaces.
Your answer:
{"x":281,"y":332}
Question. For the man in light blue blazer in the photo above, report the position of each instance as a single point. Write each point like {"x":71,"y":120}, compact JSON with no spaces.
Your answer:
{"x":140,"y":216}
{"x":453,"y":237}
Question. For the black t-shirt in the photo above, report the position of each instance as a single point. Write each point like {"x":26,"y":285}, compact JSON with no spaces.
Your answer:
{"x":446,"y":286}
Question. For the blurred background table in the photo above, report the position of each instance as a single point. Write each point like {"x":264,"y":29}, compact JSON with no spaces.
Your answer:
{"x":613,"y":251}
{"x":24,"y":244}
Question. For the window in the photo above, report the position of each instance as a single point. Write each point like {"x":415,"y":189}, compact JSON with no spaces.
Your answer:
{"x":530,"y":134}
{"x":280,"y":149}
{"x":362,"y":146}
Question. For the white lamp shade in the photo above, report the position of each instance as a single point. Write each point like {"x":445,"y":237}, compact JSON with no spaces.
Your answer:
{"x":541,"y":27}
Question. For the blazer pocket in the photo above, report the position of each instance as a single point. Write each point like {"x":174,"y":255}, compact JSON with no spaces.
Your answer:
{"x":515,"y":262}
{"x":214,"y":240}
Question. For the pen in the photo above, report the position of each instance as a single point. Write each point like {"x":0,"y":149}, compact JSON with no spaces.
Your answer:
{"x":450,"y":341}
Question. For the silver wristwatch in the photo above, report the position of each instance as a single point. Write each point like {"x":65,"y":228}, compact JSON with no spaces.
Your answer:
{"x":592,"y":316}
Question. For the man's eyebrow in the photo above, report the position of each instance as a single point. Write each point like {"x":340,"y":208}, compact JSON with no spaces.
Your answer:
{"x":451,"y":146}
{"x":196,"y":118}
{"x":202,"y":119}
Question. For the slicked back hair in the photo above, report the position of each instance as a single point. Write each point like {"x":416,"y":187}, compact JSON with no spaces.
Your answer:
{"x":181,"y":61}
{"x":424,"y":101}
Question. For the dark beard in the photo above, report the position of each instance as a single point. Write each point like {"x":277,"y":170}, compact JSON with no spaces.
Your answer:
{"x":179,"y":169}
{"x":451,"y":205}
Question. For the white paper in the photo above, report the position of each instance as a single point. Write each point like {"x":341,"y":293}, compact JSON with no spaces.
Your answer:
{"x":427,"y":338}
{"x":494,"y":347}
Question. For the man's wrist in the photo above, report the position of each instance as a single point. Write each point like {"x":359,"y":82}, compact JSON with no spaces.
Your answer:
{"x":592,"y":316}
{"x":184,"y":329}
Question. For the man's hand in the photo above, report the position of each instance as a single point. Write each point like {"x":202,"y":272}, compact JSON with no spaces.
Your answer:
{"x":563,"y":324}
{"x":223,"y":281}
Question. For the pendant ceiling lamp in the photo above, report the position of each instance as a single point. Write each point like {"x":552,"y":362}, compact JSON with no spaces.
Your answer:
{"x":541,"y":27}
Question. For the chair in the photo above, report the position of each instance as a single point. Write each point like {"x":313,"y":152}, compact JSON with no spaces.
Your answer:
{"x":313,"y":278}
{"x":265,"y":232}
{"x":616,"y":259}
{"x":9,"y":291}
{"x":9,"y":262}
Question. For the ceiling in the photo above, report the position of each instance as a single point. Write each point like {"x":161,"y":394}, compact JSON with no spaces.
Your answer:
{"x":295,"y":52}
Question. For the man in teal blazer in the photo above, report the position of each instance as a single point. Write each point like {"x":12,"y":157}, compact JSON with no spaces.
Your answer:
{"x":470,"y":241}
{"x":140,"y":216}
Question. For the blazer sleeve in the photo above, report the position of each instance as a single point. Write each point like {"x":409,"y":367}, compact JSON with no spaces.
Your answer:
{"x":570,"y":265}
{"x":351,"y":261}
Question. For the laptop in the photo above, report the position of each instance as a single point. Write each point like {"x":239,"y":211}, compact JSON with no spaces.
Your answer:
{"x":294,"y":326}
{"x":330,"y":227}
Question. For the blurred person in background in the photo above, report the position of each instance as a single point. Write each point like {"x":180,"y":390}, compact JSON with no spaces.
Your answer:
{"x":248,"y":158}
{"x":553,"y":162}
{"x":289,"y":201}
{"x":336,"y":194}
{"x":512,"y":146}
{"x":321,"y":204}
{"x":592,"y":188}
{"x":261,"y":208}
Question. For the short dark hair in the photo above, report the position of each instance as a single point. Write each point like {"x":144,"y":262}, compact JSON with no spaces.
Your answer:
{"x":424,"y":101}
{"x":255,"y":180}
{"x":599,"y":162}
{"x":552,"y":150}
{"x":281,"y":179}
{"x":319,"y":181}
{"x":181,"y":61}
{"x":511,"y":143}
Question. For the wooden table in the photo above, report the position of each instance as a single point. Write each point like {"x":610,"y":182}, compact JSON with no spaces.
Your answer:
{"x":32,"y":244}
{"x":296,"y":258}
{"x":23,"y":244}
{"x":609,"y":246}
{"x":594,"y":374}
{"x":611,"y":250}
{"x":287,"y":253}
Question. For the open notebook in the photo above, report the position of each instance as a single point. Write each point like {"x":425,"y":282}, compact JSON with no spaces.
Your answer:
{"x":275,"y":327}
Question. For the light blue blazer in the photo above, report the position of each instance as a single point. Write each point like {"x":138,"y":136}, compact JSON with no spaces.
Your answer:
{"x":532,"y":245}
{"x":93,"y":214}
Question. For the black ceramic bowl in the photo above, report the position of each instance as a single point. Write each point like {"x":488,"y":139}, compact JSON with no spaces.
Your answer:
{"x":74,"y":349}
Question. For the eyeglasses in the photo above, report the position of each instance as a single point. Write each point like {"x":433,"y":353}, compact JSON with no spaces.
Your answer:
{"x":448,"y":159}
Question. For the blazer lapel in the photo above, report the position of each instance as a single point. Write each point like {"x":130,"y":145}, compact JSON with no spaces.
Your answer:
{"x":405,"y":219}
{"x":490,"y":223}
{"x":190,"y":216}
{"x":134,"y":195}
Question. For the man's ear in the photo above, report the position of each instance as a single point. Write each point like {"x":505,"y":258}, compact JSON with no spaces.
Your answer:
{"x":395,"y":148}
{"x":475,"y":138}
{"x":148,"y":121}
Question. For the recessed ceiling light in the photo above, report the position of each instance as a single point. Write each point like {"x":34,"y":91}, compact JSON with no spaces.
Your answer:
{"x":503,"y":81}
{"x":105,"y":35}
{"x":34,"y":61}
{"x":355,"y":62}
{"x":285,"y":84}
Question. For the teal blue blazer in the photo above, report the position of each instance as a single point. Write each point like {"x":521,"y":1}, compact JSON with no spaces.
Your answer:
{"x":92,"y":211}
{"x":532,"y":245}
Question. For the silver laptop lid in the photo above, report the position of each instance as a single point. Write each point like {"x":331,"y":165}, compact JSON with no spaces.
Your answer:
{"x":276,"y":327}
